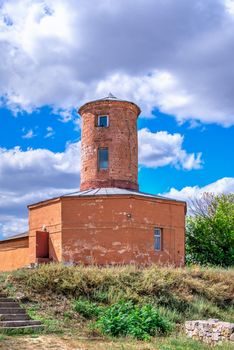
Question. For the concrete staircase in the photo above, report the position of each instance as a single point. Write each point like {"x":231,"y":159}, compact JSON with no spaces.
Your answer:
{"x":13,"y":317}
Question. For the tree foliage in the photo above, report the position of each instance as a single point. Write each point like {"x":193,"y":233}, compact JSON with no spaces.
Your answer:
{"x":210,"y":230}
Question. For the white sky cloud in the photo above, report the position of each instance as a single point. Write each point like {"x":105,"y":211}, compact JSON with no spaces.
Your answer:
{"x":28,"y":134}
{"x":40,"y":168}
{"x":49,"y":132}
{"x":224,"y":185}
{"x":161,"y":148}
{"x":174,"y":55}
{"x":40,"y":174}
{"x":230,"y":6}
{"x":12,"y":225}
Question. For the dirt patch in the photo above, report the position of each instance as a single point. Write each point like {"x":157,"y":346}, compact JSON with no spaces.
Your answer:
{"x":54,"y":342}
{"x":35,"y":343}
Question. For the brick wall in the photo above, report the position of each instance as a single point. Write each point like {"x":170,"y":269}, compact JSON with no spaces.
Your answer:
{"x":14,"y":254}
{"x":46,"y":215}
{"x":120,"y":137}
{"x":120,"y":230}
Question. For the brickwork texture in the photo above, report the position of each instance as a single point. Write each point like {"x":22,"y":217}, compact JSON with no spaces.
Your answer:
{"x":120,"y":137}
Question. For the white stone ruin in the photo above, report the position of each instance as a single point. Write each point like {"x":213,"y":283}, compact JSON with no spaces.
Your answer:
{"x":210,"y":331}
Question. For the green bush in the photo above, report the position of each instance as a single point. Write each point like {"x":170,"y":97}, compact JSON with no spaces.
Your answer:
{"x":127,"y":319}
{"x":87,"y":309}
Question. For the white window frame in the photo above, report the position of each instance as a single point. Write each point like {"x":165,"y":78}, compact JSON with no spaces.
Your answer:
{"x":158,"y":237}
{"x":99,"y":119}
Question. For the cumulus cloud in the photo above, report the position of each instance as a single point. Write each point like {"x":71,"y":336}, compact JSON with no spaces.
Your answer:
{"x":11,"y":225}
{"x":161,"y":148}
{"x":39,"y":168}
{"x":174,"y":55}
{"x":30,"y":176}
{"x":224,"y":185}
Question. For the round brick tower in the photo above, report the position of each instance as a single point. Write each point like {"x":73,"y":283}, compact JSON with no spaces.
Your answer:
{"x":109,"y":147}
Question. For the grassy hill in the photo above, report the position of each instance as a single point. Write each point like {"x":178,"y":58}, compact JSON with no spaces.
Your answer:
{"x":85,"y":301}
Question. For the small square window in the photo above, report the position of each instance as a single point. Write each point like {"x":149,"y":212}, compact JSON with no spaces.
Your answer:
{"x":157,"y":239}
{"x":103,"y":158}
{"x":103,"y":121}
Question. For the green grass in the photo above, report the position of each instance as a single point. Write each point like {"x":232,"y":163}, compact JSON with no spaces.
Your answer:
{"x":87,"y":309}
{"x":49,"y":321}
{"x":177,"y":294}
{"x":21,"y":331}
{"x":182,"y":343}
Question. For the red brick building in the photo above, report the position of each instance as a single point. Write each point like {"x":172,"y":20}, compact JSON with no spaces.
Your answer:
{"x":108,"y":221}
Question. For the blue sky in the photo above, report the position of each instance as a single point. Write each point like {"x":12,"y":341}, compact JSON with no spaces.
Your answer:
{"x":57,"y":55}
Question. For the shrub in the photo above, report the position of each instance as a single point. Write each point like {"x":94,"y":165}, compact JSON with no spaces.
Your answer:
{"x":87,"y":309}
{"x":125,"y":318}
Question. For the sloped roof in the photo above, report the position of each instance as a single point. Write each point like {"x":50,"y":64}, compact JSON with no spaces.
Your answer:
{"x":112,"y":191}
{"x":106,"y":191}
{"x":19,"y":235}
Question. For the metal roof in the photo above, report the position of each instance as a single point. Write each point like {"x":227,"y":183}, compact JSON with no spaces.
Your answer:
{"x":112,"y":191}
{"x":110,"y":97}
{"x":19,"y":235}
{"x":106,"y":191}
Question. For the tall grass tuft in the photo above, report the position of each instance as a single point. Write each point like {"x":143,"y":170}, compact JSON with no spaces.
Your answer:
{"x":180,"y":292}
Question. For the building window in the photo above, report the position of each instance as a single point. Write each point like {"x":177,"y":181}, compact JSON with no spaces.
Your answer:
{"x":103,"y":158}
{"x":158,"y":239}
{"x":103,"y":121}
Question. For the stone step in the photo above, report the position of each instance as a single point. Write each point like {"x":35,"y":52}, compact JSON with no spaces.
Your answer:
{"x":11,"y":310}
{"x":12,"y":324}
{"x":9,"y":304}
{"x":5,"y":299}
{"x":32,"y":328}
{"x":14,"y":317}
{"x":43,"y":260}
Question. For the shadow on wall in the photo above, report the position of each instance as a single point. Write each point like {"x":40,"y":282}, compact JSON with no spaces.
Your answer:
{"x":52,"y":251}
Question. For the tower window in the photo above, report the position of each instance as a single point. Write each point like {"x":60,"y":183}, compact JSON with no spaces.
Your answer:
{"x":103,"y":158}
{"x":103,"y":121}
{"x":157,"y":239}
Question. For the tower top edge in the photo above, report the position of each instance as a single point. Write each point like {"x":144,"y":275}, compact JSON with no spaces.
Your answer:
{"x":109,"y":99}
